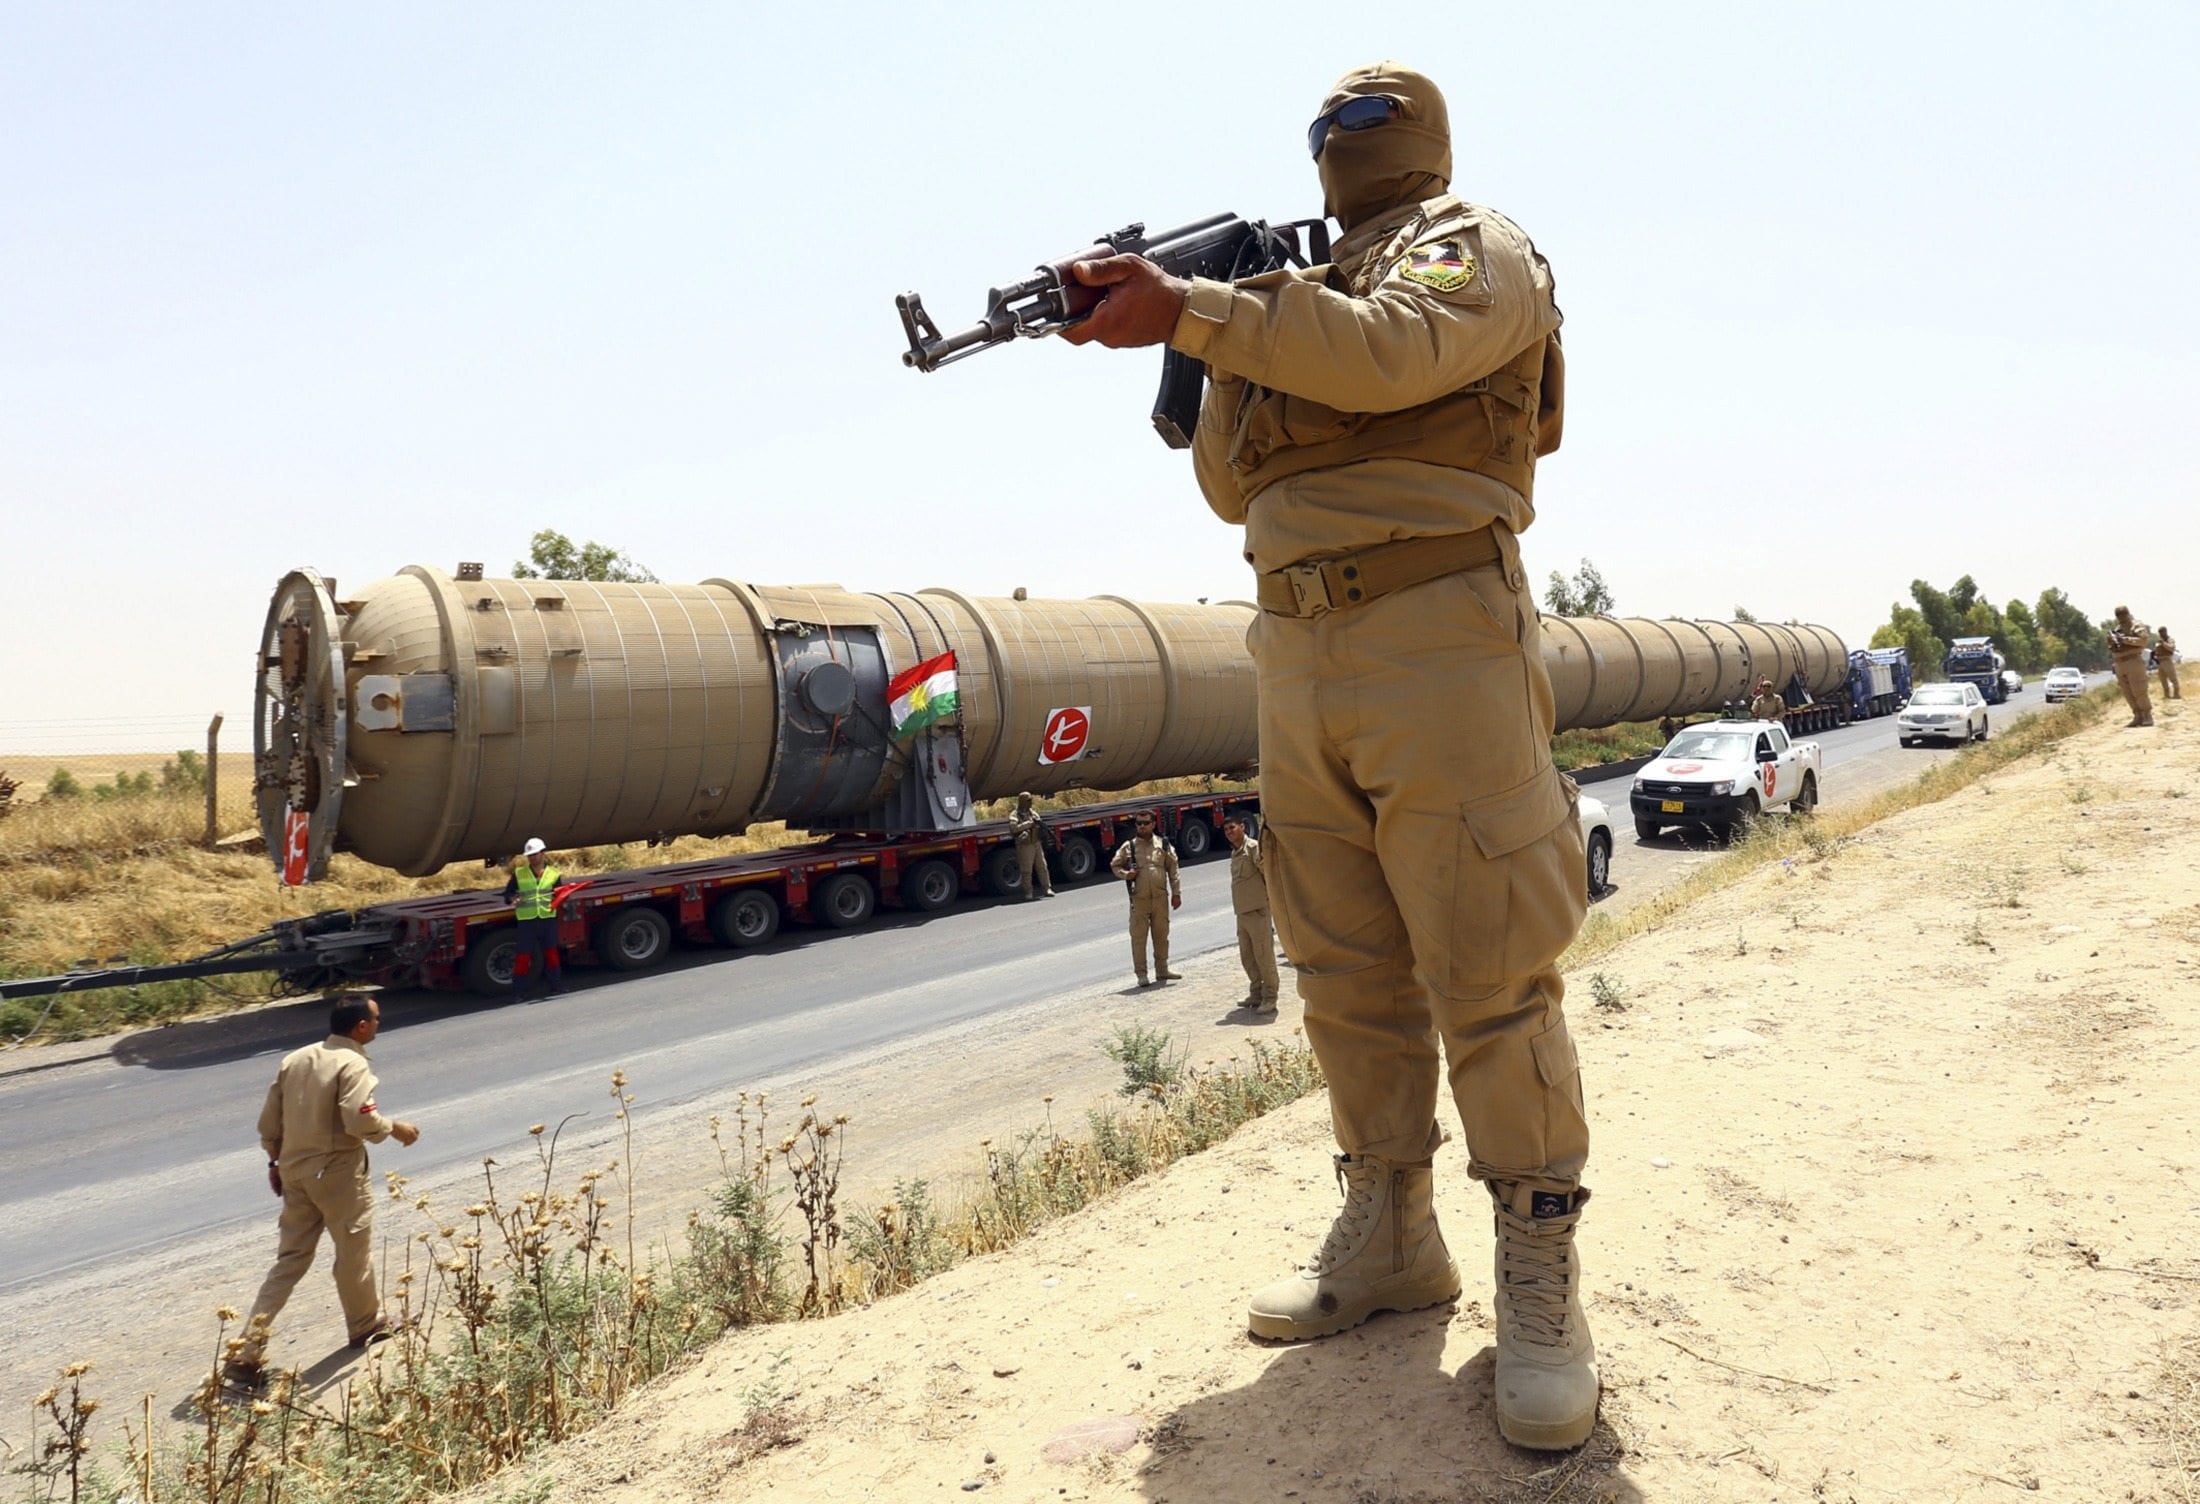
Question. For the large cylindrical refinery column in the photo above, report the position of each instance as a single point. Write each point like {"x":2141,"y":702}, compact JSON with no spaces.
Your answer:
{"x":425,"y":719}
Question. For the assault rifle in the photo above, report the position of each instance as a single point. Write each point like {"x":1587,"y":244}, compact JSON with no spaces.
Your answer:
{"x":1222,"y":246}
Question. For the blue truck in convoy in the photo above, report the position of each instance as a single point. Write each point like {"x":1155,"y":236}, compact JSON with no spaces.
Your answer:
{"x":1973,"y":660}
{"x":1878,"y":683}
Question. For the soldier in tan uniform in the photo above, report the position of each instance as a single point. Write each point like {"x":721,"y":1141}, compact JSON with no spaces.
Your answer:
{"x":315,"y":1124}
{"x":1148,"y":864}
{"x":1375,"y":426}
{"x":2165,"y":664}
{"x":2127,"y":647}
{"x":1031,"y":854}
{"x":1255,"y":931}
{"x":1767,"y":706}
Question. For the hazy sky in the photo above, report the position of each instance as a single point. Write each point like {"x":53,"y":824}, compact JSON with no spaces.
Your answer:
{"x":1853,"y":294}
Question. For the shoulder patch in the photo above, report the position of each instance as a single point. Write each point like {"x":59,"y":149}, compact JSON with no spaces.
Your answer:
{"x":1444,"y":264}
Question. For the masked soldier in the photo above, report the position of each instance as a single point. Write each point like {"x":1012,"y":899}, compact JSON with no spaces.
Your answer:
{"x":1767,"y":706}
{"x":2165,"y":664}
{"x":2127,"y":646}
{"x":1148,"y":864}
{"x":1031,"y":856}
{"x":1375,"y":425}
{"x":1256,"y":933}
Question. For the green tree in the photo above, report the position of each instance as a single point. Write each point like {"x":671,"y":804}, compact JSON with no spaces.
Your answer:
{"x":2021,"y":638}
{"x":1585,"y":594}
{"x":553,"y":556}
{"x":185,"y":775}
{"x":63,"y":785}
{"x":2082,"y":642}
{"x":1907,"y":627}
{"x":1942,"y":617}
{"x":1743,"y":613}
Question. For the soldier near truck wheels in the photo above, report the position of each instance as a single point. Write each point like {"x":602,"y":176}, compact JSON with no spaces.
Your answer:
{"x":1031,"y":856}
{"x":1375,"y":426}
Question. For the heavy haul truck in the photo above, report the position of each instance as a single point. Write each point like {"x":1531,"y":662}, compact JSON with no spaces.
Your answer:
{"x":432,"y":718}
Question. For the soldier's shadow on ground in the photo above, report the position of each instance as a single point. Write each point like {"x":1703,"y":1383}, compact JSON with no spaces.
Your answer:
{"x":1372,"y":1414}
{"x":1242,"y":1017}
{"x":311,"y":1384}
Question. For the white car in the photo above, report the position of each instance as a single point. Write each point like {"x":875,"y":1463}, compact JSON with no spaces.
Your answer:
{"x":1596,"y":835}
{"x":1943,"y":712}
{"x":2064,"y":683}
{"x":2012,"y":683}
{"x":1724,"y":774}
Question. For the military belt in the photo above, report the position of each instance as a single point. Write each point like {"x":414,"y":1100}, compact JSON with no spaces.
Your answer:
{"x":1355,"y":579}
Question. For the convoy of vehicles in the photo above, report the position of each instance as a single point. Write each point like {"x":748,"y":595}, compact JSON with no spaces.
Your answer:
{"x":1943,"y":712}
{"x":1877,"y":682}
{"x":1723,"y":774}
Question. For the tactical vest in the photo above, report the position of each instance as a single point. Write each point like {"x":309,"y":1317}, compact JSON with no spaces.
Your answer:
{"x":535,"y":893}
{"x":1497,"y":426}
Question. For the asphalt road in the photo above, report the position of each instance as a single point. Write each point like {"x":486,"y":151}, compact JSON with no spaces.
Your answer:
{"x":148,"y":1146}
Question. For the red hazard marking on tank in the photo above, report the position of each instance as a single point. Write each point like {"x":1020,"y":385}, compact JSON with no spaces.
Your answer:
{"x":1065,"y":734}
{"x":1678,"y":768}
{"x":296,"y":828}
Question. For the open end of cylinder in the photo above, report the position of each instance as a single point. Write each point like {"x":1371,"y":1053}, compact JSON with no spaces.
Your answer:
{"x":299,"y":727}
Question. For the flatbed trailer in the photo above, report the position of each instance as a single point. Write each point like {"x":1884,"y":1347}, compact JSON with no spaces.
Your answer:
{"x":627,"y":921}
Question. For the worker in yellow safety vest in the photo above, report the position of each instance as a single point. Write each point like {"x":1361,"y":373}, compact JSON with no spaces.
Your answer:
{"x":532,"y":891}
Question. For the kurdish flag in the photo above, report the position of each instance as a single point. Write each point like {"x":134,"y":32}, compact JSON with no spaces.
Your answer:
{"x":922,"y":697}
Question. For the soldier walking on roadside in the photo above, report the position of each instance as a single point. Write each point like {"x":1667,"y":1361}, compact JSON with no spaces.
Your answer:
{"x":1031,"y":855}
{"x":1375,"y":424}
{"x":2165,"y":665}
{"x":2127,"y":646}
{"x":315,"y":1125}
{"x":1256,"y":933}
{"x":1148,"y":864}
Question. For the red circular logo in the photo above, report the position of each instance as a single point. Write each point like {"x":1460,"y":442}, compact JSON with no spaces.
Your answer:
{"x":1065,"y":734}
{"x":1677,"y":768}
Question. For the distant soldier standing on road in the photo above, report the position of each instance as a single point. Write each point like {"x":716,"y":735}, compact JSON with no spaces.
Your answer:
{"x":1375,"y":426}
{"x":1256,"y":933}
{"x":1148,"y":864}
{"x":532,"y":890}
{"x":2127,"y":645}
{"x":1767,"y":706}
{"x":315,"y":1125}
{"x":2165,"y":665}
{"x":1031,"y":855}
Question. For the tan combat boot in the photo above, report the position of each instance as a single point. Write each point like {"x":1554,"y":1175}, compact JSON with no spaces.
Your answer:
{"x":1383,"y":1253}
{"x":1546,"y":1364}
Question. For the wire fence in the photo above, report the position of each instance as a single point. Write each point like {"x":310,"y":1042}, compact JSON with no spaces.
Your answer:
{"x":99,"y":749}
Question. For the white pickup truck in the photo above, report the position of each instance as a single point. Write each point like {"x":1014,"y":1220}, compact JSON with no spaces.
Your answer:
{"x":1724,"y":774}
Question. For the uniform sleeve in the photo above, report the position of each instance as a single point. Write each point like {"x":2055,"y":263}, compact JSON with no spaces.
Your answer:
{"x":1124,"y":862}
{"x":271,"y":1120}
{"x":1260,"y":857}
{"x":1218,"y":420}
{"x":355,"y":1104}
{"x":1402,"y":345}
{"x":1168,"y":865}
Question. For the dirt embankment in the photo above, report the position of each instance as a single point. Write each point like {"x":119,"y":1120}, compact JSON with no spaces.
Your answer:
{"x":1896,"y":1198}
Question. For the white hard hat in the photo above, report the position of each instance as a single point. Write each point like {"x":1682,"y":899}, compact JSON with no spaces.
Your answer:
{"x":534,"y":847}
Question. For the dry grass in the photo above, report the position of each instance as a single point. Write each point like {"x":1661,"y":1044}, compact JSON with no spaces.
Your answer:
{"x":2181,"y":1419}
{"x":1595,"y":745}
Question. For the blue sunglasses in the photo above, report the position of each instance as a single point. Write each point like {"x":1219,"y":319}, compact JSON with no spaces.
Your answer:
{"x":1352,"y":115}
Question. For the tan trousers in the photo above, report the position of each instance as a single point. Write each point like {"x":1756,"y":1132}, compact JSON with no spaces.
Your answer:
{"x":1426,"y":864}
{"x":1257,"y":950}
{"x":1031,"y":869}
{"x":2167,"y":671}
{"x":1150,"y":916}
{"x":2131,"y":677}
{"x":333,"y":1194}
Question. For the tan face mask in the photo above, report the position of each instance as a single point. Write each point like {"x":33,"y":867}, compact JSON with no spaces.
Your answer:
{"x":1367,"y":173}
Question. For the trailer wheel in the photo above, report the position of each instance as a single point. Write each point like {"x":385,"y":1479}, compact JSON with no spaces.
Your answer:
{"x":844,"y":900}
{"x":930,"y":886}
{"x":1194,"y":839}
{"x":997,"y":871}
{"x":749,"y":917}
{"x":634,"y":938}
{"x":490,"y":958}
{"x":1078,"y":859}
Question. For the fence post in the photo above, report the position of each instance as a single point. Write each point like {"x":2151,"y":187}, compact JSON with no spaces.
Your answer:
{"x":213,"y":776}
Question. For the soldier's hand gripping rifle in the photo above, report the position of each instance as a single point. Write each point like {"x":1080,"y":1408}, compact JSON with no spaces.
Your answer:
{"x":1222,"y":247}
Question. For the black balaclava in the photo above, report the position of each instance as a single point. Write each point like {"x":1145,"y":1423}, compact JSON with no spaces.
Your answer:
{"x":1367,"y":173}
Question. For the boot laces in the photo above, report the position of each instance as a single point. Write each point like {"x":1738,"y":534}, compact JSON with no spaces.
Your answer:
{"x":1359,"y":1180}
{"x":1538,"y":1271}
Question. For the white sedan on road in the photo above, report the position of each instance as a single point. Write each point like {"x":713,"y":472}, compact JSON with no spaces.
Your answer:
{"x":2064,"y":683}
{"x":1943,"y":712}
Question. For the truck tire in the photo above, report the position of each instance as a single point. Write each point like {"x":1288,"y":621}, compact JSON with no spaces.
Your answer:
{"x":1646,"y":829}
{"x":844,"y":900}
{"x":634,"y":938}
{"x":1738,"y":827}
{"x":1194,"y":839}
{"x":1807,"y":799}
{"x":997,"y":872}
{"x":490,"y":956}
{"x":1078,"y":860}
{"x":746,"y":917}
{"x":930,"y":886}
{"x":1985,"y":725}
{"x":1600,"y":863}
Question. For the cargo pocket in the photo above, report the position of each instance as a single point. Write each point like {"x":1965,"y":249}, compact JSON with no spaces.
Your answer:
{"x":1520,"y":887}
{"x":1281,"y":899}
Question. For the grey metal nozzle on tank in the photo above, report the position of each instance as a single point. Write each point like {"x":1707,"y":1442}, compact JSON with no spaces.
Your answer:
{"x":423,"y":719}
